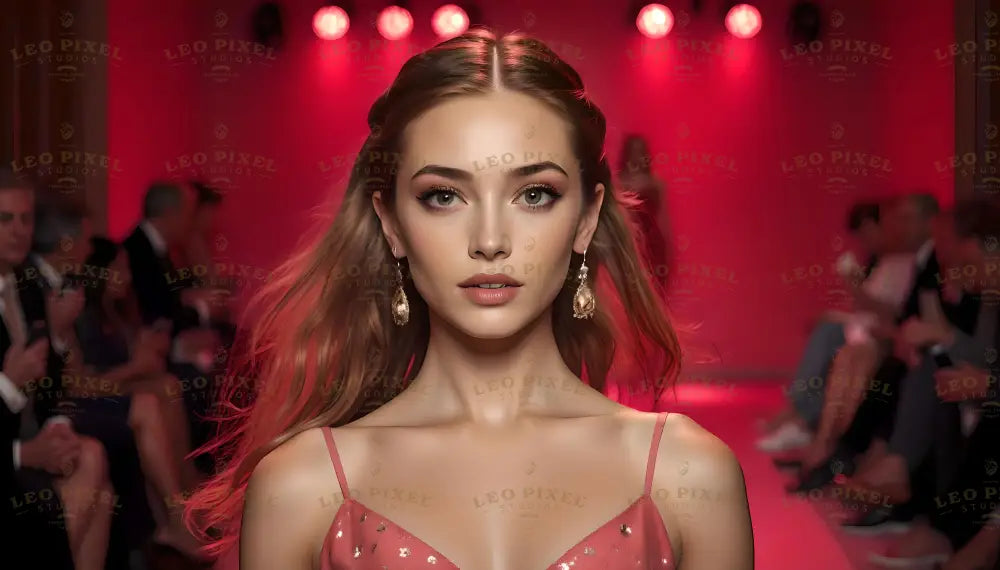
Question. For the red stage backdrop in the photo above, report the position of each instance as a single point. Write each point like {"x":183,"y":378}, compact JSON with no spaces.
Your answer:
{"x":762,"y":144}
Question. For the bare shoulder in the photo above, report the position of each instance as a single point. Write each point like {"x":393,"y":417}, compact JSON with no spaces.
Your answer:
{"x":699,"y":488}
{"x":290,"y":497}
{"x":686,"y":441}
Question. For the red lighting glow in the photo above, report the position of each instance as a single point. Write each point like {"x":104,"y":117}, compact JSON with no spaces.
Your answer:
{"x":743,"y":21}
{"x":331,"y":23}
{"x":449,"y":21}
{"x":655,"y":21}
{"x":394,"y":23}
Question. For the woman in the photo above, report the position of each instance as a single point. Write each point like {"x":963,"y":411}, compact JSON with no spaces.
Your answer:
{"x":493,"y":418}
{"x":133,"y":389}
{"x":636,"y":176}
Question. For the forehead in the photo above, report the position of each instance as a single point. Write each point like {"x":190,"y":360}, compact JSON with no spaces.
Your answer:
{"x":476,"y":132}
{"x":15,"y":197}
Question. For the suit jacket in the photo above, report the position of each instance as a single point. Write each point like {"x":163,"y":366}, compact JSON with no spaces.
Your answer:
{"x":31,"y":542}
{"x":157,"y":284}
{"x":963,"y":314}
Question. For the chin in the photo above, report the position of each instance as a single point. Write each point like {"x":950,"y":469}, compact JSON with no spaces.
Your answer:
{"x":490,"y":323}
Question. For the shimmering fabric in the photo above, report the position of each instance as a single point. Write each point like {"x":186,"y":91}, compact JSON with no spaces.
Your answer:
{"x":362,"y":538}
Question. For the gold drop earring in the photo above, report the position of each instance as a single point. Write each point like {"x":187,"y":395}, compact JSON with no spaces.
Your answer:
{"x":584,"y":302}
{"x":400,"y":304}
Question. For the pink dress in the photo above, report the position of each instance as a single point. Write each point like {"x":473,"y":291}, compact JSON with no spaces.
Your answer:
{"x":360,"y":538}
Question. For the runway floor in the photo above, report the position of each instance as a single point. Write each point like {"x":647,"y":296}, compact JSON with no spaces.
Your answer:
{"x":790,"y":533}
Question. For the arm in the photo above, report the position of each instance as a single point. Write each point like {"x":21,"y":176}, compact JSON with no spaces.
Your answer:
{"x":715,"y":512}
{"x":284,"y":523}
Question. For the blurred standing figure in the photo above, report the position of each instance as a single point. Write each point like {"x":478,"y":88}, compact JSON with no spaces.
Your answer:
{"x":635,"y":175}
{"x":196,"y":249}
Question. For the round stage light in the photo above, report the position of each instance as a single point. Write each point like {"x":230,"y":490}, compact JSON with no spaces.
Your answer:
{"x":655,"y":20}
{"x":394,"y":23}
{"x":743,"y":21}
{"x":331,"y":23}
{"x":449,"y":21}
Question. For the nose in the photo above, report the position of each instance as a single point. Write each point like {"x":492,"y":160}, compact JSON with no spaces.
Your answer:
{"x":490,"y":238}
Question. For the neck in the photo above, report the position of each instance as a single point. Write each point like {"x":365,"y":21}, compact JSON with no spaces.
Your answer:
{"x":495,"y":381}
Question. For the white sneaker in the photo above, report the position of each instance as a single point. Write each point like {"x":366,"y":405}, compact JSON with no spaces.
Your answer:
{"x":788,"y":436}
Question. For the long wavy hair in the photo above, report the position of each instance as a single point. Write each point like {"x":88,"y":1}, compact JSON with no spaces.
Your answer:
{"x":321,"y":343}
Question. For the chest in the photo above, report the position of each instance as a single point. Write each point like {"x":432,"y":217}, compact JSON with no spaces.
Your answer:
{"x":500,"y":508}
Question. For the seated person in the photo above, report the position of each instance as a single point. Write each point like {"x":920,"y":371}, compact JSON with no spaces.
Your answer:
{"x":879,"y":299}
{"x":122,"y":383}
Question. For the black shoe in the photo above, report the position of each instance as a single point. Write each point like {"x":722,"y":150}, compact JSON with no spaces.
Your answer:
{"x":839,"y":464}
{"x":875,"y":522}
{"x":787,"y":463}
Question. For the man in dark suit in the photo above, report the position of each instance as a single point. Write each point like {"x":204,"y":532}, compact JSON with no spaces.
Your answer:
{"x":50,"y":476}
{"x":163,"y":291}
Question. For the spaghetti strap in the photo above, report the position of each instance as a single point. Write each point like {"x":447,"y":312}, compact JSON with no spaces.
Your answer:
{"x":654,"y":446}
{"x":335,"y":458}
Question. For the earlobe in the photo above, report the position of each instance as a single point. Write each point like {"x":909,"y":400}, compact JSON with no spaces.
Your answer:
{"x":388,"y":226}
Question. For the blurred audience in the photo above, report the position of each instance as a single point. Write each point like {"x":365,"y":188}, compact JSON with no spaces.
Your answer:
{"x":906,"y":406}
{"x":58,"y":511}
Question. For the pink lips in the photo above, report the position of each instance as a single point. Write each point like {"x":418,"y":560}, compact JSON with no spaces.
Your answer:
{"x":490,"y":296}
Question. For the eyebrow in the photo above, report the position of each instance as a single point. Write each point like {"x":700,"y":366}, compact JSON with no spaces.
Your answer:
{"x":465,"y":176}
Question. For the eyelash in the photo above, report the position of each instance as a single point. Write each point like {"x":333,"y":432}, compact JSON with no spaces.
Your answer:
{"x":426,"y":197}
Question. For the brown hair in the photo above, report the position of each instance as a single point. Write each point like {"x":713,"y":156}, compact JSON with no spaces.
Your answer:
{"x":325,"y":351}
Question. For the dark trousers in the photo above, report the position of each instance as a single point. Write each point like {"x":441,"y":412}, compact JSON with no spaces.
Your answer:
{"x":964,"y":507}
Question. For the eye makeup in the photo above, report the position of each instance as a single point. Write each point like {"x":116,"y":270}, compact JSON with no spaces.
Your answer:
{"x":533,"y":196}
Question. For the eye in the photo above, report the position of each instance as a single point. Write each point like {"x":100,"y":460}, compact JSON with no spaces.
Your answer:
{"x":438,"y":197}
{"x":539,"y":196}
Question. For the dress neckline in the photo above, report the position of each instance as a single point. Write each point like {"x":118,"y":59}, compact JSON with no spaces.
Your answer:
{"x":348,"y":501}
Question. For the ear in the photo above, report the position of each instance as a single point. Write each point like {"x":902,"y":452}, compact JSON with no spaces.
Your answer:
{"x":588,"y":223}
{"x":389,"y":227}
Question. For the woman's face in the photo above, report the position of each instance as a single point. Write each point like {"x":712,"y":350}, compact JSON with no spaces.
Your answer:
{"x":489,"y":185}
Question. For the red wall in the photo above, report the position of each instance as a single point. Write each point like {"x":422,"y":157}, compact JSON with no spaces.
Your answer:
{"x":762,"y":149}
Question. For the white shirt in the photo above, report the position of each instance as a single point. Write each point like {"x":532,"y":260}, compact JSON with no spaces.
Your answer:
{"x":892,"y":278}
{"x":55,"y":281}
{"x":12,"y":396}
{"x":155,"y":237}
{"x":52,"y":277}
{"x":924,"y":253}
